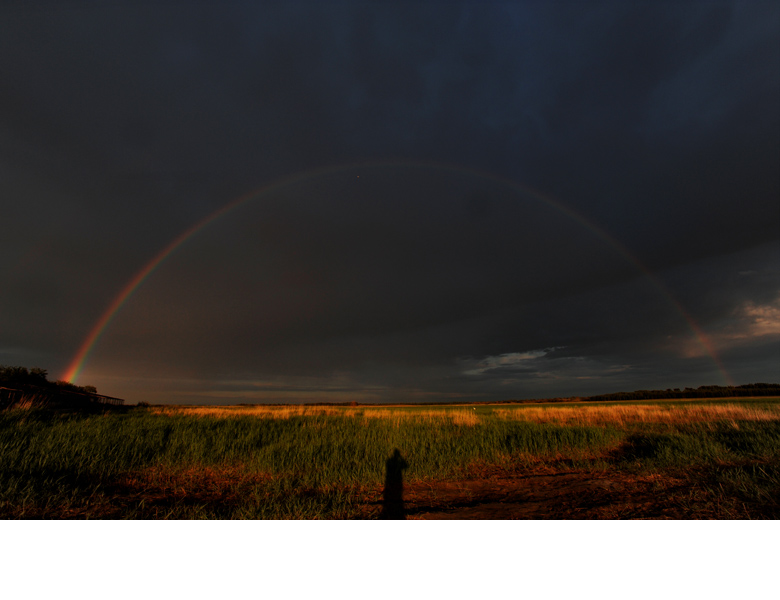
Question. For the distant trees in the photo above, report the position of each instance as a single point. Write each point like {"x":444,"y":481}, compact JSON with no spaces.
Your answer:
{"x":704,"y":391}
{"x":21,"y":376}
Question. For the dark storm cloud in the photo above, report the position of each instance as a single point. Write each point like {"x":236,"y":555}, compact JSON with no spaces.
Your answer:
{"x":123,"y":124}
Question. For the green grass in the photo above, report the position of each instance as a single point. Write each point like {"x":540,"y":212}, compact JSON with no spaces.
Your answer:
{"x":323,"y":466}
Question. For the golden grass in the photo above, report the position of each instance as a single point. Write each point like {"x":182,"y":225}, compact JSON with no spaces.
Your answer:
{"x":639,"y":413}
{"x":30,"y":401}
{"x":464,"y":417}
{"x":263,"y":412}
{"x":468,"y":417}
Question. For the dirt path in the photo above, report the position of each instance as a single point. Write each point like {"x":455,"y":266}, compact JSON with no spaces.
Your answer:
{"x":565,"y":495}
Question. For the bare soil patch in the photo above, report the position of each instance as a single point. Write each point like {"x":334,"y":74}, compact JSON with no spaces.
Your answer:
{"x":574,"y":494}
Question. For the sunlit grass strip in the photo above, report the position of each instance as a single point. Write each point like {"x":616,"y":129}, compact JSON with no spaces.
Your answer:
{"x":265,"y":412}
{"x":565,"y":415}
{"x":640,"y":413}
{"x":460,"y":416}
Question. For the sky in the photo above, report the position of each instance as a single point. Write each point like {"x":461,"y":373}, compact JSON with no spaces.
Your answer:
{"x":390,"y":201}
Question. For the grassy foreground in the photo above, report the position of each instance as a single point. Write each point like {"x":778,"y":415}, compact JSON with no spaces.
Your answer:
{"x":330,"y":462}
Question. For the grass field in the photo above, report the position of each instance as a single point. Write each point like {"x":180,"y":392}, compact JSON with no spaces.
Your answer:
{"x":664,"y":459}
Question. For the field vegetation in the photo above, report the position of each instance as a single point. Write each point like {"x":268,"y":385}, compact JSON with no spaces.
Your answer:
{"x":665,"y":459}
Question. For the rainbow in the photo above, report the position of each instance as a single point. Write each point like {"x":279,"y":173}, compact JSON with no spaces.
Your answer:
{"x":77,"y":363}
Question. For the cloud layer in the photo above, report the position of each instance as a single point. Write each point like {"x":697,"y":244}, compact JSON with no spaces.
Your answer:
{"x":544,"y":198}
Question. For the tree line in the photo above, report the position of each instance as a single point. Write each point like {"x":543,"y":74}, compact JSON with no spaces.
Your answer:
{"x":23,"y":377}
{"x":704,"y":391}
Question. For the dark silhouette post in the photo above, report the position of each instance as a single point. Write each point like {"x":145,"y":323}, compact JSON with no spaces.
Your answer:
{"x":393,"y":494}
